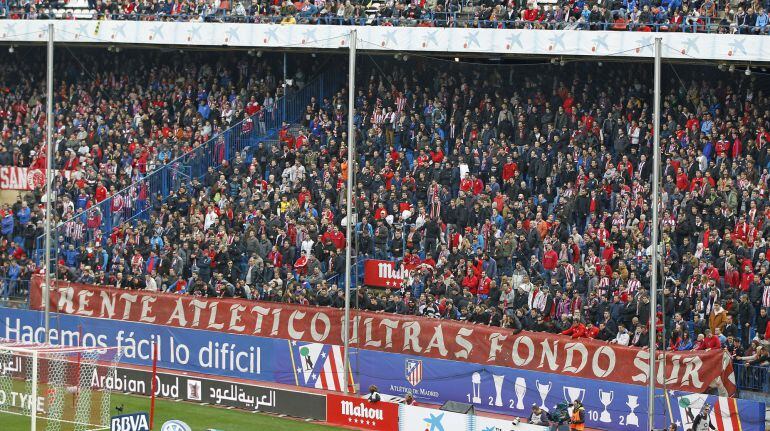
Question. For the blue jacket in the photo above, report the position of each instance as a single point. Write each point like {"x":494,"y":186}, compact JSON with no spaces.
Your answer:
{"x":24,"y":215}
{"x":104,"y":260}
{"x":6,"y":225}
{"x":13,"y":271}
{"x":761,"y":20}
{"x":71,"y":258}
{"x":204,"y":110}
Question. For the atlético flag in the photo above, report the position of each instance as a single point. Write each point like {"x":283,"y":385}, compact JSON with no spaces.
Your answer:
{"x":319,"y":366}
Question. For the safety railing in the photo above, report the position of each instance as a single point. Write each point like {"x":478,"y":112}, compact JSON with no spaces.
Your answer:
{"x":134,"y":203}
{"x":457,"y":17}
{"x":752,"y":378}
{"x":13,"y":288}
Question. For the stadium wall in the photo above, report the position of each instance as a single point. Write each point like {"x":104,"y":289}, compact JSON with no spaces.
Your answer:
{"x":454,"y":41}
{"x":503,"y":390}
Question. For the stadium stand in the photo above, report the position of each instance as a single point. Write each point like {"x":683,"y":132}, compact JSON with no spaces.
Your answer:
{"x":514,"y":197}
{"x":665,"y":15}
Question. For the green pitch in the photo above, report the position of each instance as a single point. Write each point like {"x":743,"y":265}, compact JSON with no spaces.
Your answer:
{"x":198,"y":417}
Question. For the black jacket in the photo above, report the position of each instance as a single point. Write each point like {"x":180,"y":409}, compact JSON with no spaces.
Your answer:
{"x":696,"y":424}
{"x":746,"y":314}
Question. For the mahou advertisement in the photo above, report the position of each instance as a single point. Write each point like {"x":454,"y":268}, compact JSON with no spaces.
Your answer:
{"x":361,"y":414}
{"x":384,"y":273}
{"x":535,"y":351}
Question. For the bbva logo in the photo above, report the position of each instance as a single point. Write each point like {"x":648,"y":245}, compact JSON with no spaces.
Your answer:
{"x":130,"y":422}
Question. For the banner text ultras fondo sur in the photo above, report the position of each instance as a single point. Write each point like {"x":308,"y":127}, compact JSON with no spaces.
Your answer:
{"x":691,"y":371}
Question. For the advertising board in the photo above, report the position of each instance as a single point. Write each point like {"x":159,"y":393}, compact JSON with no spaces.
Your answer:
{"x":202,"y":389}
{"x":361,"y":414}
{"x":384,"y":273}
{"x":210,"y":352}
{"x":422,"y":418}
{"x":482,"y":423}
{"x":506,"y":390}
{"x":130,"y":422}
{"x":512,"y":392}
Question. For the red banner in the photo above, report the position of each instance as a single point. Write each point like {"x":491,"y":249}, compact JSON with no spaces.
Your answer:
{"x":15,"y":178}
{"x":18,"y":178}
{"x":361,"y":414}
{"x":536,"y":351}
{"x":383,"y":273}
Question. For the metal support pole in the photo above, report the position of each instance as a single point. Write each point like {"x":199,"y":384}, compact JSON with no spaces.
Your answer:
{"x":285,"y":89}
{"x":49,"y":173}
{"x":654,"y":248}
{"x":348,"y":204}
{"x":33,"y":390}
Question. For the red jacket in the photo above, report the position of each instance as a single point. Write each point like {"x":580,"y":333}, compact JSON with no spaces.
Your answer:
{"x":509,"y":169}
{"x":550,"y":259}
{"x":576,"y":331}
{"x":746,"y":279}
{"x":711,"y":343}
{"x":471,"y":282}
{"x":275,"y":258}
{"x":100,"y":193}
{"x":682,"y":182}
{"x":530,"y":15}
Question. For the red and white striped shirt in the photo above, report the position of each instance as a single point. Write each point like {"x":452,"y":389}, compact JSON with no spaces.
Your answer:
{"x":603,"y":287}
{"x":117,"y":203}
{"x":378,"y":118}
{"x":74,"y":230}
{"x":400,"y":103}
{"x":632,"y":287}
{"x":569,"y":272}
{"x":766,"y":297}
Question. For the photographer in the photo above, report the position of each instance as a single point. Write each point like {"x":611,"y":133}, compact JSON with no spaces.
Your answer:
{"x":538,"y":416}
{"x":374,"y":394}
{"x":703,"y":422}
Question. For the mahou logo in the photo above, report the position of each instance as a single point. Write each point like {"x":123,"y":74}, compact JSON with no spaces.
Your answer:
{"x":384,"y":273}
{"x":361,"y":414}
{"x":361,"y":411}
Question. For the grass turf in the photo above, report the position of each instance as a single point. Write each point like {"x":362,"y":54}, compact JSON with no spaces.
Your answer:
{"x":198,"y":417}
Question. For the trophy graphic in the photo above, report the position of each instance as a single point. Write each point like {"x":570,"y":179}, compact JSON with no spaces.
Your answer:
{"x":631,"y":418}
{"x":606,"y":400}
{"x":543,"y":391}
{"x":476,"y":379}
{"x":498,"y":389}
{"x":572,"y":393}
{"x":520,"y":388}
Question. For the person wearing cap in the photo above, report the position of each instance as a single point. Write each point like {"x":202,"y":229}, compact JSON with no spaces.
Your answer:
{"x":538,"y":416}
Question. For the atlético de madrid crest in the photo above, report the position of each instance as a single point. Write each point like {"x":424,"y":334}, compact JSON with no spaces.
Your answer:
{"x":413,"y":371}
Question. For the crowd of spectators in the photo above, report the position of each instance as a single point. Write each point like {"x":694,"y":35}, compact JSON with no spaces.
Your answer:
{"x":660,"y":15}
{"x":116,"y":119}
{"x":514,"y":196}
